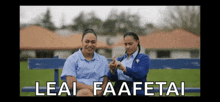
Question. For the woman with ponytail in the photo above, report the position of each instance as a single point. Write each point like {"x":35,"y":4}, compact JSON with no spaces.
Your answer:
{"x":132,"y":67}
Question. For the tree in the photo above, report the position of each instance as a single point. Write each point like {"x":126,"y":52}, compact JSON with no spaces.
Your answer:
{"x":109,"y":27}
{"x":122,"y":23}
{"x":46,"y":21}
{"x":185,"y":17}
{"x":79,"y":22}
{"x":37,"y":20}
{"x":109,"y":24}
{"x":63,"y":21}
{"x":94,"y":22}
{"x":127,"y":22}
{"x":149,"y":28}
{"x":134,"y":24}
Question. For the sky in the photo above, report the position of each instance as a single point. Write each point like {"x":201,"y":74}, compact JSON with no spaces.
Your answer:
{"x":148,"y":14}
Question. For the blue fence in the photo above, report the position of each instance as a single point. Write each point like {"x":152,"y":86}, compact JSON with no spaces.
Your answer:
{"x":186,"y":63}
{"x":175,"y":63}
{"x":55,"y":63}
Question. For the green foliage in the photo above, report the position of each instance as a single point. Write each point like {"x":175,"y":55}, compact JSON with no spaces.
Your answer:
{"x":47,"y":23}
{"x":185,"y":17}
{"x":115,"y":23}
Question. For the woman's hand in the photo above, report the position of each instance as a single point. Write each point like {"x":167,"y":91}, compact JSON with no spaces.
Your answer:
{"x":112,"y":66}
{"x":120,"y":66}
{"x":117,"y":64}
{"x":99,"y":92}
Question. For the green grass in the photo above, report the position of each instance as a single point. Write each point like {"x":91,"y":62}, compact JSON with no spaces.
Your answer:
{"x":191,"y":77}
{"x":29,"y":77}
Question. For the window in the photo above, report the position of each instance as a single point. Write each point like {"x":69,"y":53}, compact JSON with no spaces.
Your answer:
{"x":163,"y":54}
{"x":44,"y":54}
{"x":194,"y":53}
{"x":147,"y":52}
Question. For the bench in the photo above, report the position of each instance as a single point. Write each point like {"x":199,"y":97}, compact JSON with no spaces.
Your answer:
{"x":56,"y":64}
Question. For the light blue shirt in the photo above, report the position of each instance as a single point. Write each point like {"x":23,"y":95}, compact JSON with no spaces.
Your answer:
{"x":86,"y":72}
{"x":127,"y":63}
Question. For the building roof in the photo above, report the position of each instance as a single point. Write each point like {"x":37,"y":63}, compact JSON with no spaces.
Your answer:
{"x":177,"y":39}
{"x":36,"y":37}
{"x":39,"y":38}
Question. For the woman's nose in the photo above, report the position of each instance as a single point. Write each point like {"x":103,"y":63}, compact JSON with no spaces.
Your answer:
{"x":127,"y":46}
{"x":90,"y":44}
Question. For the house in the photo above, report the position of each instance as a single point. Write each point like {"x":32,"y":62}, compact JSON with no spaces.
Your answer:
{"x":178,"y":43}
{"x":36,"y":41}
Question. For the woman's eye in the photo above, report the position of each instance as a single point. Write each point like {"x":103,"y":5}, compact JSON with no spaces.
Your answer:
{"x":93,"y":42}
{"x":87,"y":41}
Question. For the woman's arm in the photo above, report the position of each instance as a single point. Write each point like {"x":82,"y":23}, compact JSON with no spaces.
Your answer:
{"x":112,"y":77}
{"x":105,"y":81}
{"x":71,"y":79}
{"x":100,"y":92}
{"x":137,"y":72}
{"x":112,"y":73}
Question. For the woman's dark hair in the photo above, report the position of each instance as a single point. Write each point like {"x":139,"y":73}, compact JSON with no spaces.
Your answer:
{"x":135,"y":36}
{"x":89,"y":31}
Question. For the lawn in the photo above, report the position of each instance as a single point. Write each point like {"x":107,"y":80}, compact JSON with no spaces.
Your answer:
{"x":191,"y":77}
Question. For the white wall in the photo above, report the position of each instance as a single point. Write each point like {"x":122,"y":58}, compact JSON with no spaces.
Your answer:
{"x":152,"y":54}
{"x":142,"y":50}
{"x":180,"y":54}
{"x":29,"y":53}
{"x":63,"y":53}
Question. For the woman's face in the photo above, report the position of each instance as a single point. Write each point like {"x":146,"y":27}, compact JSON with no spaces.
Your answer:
{"x":89,"y":43}
{"x":130,"y":44}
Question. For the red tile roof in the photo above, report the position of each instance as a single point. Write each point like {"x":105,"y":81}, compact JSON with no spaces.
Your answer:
{"x":177,"y":39}
{"x":36,"y":37}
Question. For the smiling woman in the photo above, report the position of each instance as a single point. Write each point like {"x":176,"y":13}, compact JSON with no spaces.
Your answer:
{"x":85,"y":67}
{"x":88,"y":43}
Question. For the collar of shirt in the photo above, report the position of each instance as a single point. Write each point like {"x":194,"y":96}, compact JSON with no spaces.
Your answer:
{"x":132,"y":56}
{"x":83,"y":58}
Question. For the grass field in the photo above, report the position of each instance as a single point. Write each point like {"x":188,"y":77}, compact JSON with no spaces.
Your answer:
{"x":191,"y":77}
